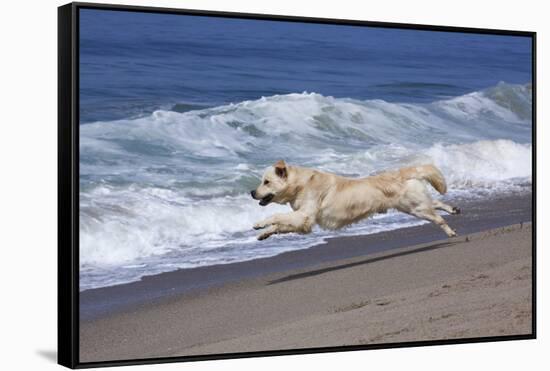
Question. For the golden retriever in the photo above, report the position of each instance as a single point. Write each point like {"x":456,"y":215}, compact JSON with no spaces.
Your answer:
{"x":333,"y":201}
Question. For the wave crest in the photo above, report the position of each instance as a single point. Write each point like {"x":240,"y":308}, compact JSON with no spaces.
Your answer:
{"x":312,"y":122}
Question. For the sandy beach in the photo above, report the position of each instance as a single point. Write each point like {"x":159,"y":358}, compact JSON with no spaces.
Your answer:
{"x":408,"y":285}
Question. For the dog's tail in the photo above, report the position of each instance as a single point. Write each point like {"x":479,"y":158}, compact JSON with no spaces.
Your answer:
{"x":429,"y":173}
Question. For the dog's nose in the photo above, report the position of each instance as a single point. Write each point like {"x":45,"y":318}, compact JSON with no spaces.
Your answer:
{"x":253,"y":193}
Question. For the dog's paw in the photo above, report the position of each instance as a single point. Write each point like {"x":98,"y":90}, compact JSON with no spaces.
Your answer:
{"x":259,"y":226}
{"x":452,"y":233}
{"x":456,"y":210}
{"x":263,"y":236}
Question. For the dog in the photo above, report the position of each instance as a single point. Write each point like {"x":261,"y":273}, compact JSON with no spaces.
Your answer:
{"x":332,"y":201}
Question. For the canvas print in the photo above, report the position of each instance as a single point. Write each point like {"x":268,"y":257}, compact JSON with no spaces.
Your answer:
{"x":252,"y":185}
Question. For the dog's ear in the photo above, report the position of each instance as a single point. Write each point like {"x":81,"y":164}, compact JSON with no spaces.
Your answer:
{"x":280,"y":169}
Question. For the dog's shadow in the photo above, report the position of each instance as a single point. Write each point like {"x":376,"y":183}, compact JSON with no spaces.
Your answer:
{"x":362,"y":262}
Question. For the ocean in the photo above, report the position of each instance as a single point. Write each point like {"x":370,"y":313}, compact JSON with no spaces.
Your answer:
{"x":180,"y":115}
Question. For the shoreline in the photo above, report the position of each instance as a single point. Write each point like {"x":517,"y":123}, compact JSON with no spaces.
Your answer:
{"x":476,"y":216}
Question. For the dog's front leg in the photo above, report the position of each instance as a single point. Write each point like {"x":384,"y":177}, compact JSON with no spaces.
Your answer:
{"x":268,"y":232}
{"x":272,"y":220}
{"x":264,"y":223}
{"x":285,"y":223}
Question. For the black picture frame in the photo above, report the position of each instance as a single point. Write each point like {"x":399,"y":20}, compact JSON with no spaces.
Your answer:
{"x":68,"y":182}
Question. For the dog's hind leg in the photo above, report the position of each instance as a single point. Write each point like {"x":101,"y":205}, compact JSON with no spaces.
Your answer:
{"x":447,"y":208}
{"x":432,"y":216}
{"x":417,"y":201}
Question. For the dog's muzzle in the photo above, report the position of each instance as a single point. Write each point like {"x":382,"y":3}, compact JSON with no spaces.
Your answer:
{"x":264,"y":200}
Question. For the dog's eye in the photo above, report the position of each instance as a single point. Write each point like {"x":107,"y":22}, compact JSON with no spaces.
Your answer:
{"x":266,"y":182}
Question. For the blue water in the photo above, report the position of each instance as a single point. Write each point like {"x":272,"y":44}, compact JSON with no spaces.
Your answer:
{"x":133,"y":63}
{"x":181,"y":115}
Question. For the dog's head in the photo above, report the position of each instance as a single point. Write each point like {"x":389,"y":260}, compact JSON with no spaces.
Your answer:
{"x":273,"y":185}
